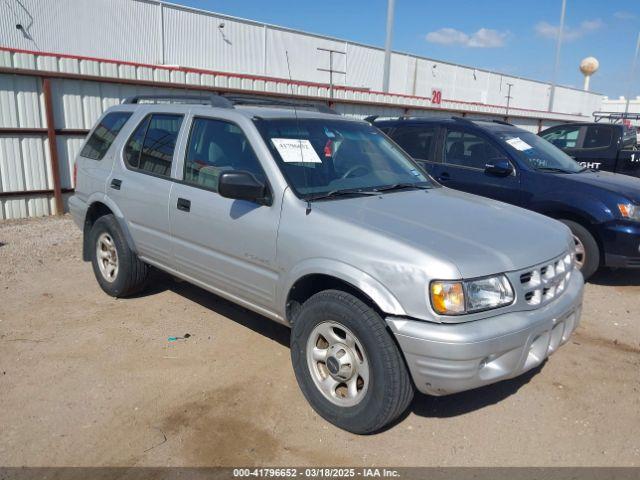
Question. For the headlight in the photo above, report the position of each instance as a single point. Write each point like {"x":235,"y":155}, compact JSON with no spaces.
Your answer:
{"x":455,"y":298}
{"x":630,"y":211}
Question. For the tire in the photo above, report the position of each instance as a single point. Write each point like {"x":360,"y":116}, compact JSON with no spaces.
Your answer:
{"x":383,"y":389}
{"x":119,"y":274}
{"x":586,"y":247}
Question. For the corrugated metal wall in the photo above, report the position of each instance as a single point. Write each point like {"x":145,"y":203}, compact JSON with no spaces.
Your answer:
{"x":151,"y":32}
{"x":130,"y":33}
{"x":25,"y":160}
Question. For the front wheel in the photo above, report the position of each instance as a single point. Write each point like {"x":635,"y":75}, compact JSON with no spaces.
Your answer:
{"x":347,"y":364}
{"x":586,"y":249}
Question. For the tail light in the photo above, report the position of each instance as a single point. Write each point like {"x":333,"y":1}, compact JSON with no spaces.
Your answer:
{"x":75,"y":174}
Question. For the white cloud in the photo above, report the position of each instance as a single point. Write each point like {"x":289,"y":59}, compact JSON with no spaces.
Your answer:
{"x":483,"y":38}
{"x":546,"y":30}
{"x":621,"y":15}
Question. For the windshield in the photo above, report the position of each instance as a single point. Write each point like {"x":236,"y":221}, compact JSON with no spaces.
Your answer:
{"x":321,"y":157}
{"x":539,"y":154}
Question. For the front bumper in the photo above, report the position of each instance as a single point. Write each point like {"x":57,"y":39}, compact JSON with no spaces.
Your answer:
{"x":621,"y":243}
{"x":78,"y":210}
{"x":450,"y":358}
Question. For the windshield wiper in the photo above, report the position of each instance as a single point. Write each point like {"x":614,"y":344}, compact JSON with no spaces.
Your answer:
{"x":401,"y":186}
{"x":341,"y":192}
{"x":553,"y":169}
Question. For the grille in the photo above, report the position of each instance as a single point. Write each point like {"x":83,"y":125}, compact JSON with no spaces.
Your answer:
{"x":542,"y":283}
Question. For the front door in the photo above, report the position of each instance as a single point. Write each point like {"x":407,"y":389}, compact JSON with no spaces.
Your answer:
{"x":465,"y":155}
{"x":227,"y":245}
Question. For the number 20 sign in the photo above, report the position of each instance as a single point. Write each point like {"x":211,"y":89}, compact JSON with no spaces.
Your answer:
{"x":436,"y":96}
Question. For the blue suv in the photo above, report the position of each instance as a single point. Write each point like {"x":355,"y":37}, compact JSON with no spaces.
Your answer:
{"x":498,"y":160}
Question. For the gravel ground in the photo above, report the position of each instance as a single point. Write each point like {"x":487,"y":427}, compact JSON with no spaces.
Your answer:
{"x":88,"y":380}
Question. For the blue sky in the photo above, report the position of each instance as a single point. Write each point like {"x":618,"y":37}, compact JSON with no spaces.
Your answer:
{"x":515,"y":37}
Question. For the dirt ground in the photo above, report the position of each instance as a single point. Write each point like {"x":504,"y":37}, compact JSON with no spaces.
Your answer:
{"x":88,"y":380}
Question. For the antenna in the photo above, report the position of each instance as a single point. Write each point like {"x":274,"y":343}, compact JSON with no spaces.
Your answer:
{"x":295,"y":112}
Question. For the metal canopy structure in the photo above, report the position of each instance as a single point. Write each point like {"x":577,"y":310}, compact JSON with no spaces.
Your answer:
{"x":615,"y":117}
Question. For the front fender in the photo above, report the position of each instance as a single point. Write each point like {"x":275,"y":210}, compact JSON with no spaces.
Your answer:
{"x":364,"y":282}
{"x":583,"y":206}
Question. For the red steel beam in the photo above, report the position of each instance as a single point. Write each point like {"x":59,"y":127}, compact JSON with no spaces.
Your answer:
{"x":42,"y":131}
{"x":32,"y":193}
{"x":204,"y":88}
{"x":53,"y":146}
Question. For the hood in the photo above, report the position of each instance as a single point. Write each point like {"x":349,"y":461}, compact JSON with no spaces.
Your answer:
{"x":612,"y":182}
{"x":478,"y":235}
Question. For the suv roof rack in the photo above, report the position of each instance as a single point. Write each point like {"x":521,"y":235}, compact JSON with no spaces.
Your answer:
{"x":462,"y":119}
{"x":502,"y":122}
{"x":213,"y":100}
{"x":271,"y":102}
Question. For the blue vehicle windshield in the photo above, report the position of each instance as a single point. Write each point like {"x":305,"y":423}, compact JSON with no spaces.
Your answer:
{"x":539,"y":154}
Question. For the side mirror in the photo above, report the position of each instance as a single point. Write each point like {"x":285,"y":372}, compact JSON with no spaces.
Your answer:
{"x":241,"y":185}
{"x":499,"y":168}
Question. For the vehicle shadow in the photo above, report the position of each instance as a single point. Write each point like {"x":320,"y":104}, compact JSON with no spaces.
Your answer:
{"x":160,"y":282}
{"x":471,"y":400}
{"x":609,"y":277}
{"x":422,"y":405}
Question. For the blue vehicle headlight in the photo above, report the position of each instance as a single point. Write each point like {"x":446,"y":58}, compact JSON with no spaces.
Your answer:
{"x":629,"y":211}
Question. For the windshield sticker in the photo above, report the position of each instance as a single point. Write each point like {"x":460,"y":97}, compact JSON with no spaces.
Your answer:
{"x":519,"y":144}
{"x":296,"y":151}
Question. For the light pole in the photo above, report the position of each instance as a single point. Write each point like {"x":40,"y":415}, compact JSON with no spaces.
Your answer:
{"x":631,"y":75}
{"x":331,"y":69}
{"x":508,"y":98}
{"x":558,"y":46}
{"x":391,"y":5}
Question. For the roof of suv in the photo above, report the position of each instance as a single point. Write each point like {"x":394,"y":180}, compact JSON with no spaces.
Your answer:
{"x":248,"y":106}
{"x":490,"y":125}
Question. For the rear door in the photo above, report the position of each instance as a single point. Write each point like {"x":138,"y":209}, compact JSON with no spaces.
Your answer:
{"x":227,"y":245}
{"x":140,"y":184}
{"x":464,"y":157}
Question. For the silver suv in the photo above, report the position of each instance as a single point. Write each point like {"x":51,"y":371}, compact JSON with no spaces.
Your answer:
{"x":389,"y":281}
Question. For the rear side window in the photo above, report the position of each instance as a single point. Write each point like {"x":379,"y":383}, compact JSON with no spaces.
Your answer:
{"x":599,"y":136}
{"x":104,"y":135}
{"x":150,"y":148}
{"x":416,"y":141}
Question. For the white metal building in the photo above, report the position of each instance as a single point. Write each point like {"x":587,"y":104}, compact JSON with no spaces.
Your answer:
{"x":63,"y":62}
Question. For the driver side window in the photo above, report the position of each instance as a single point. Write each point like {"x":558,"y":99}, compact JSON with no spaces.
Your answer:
{"x":216,"y":146}
{"x":465,"y":149}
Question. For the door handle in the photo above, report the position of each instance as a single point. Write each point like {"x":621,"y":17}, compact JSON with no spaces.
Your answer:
{"x":116,"y":184}
{"x":184,"y":204}
{"x":444,"y":176}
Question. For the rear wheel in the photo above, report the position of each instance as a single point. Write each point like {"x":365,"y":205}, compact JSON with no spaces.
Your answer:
{"x":117,"y":268}
{"x":347,"y":364}
{"x":586,"y":248}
